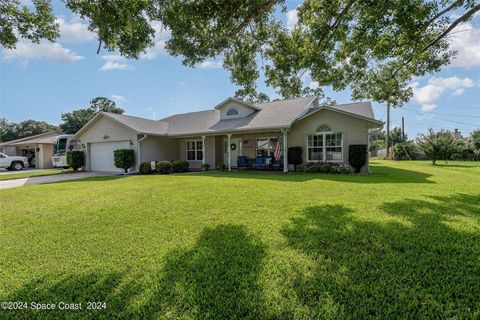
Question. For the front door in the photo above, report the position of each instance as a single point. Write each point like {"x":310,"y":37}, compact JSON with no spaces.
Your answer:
{"x":235,"y":151}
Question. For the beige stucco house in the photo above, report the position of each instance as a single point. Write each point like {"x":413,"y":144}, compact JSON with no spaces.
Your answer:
{"x":38,"y":149}
{"x":231,"y":129}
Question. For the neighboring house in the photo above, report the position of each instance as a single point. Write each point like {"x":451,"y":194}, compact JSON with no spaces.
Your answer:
{"x":38,"y":149}
{"x":231,"y":129}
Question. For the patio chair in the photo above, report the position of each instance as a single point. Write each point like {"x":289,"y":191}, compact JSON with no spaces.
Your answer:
{"x":278,"y":164}
{"x":242,"y":162}
{"x":261,"y":162}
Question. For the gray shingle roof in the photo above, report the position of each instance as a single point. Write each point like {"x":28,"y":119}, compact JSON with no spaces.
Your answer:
{"x":276,"y":114}
{"x":43,"y":138}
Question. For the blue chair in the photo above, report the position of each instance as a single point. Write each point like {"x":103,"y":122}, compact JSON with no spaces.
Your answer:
{"x":242,"y":162}
{"x":278,"y":164}
{"x":260,"y":163}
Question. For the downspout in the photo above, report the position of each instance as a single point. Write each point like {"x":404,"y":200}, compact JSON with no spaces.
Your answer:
{"x":138,"y":151}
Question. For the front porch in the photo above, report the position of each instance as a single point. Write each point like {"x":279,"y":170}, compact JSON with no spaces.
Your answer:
{"x":256,"y":151}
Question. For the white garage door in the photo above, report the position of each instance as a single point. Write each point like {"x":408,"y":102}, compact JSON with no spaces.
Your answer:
{"x":101,"y":155}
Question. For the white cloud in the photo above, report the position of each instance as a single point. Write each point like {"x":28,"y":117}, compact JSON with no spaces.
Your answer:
{"x":74,"y":31}
{"x":436,"y":87}
{"x":465,"y":39}
{"x":292,"y":18}
{"x":428,"y":107}
{"x":26,"y":50}
{"x":210,"y":65}
{"x":115,"y":62}
{"x":161,"y":37}
{"x":118,"y":99}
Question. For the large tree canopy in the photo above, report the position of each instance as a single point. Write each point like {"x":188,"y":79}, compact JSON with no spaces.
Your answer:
{"x":12,"y":131}
{"x":75,"y":120}
{"x":374,"y":47}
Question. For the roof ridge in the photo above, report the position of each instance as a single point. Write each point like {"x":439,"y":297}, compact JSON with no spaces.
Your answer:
{"x":283,"y":100}
{"x":191,"y":112}
{"x":128,"y":116}
{"x":30,"y":137}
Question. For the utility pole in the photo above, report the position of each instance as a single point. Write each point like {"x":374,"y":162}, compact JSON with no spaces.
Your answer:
{"x":403,"y":129}
{"x":387,"y":139}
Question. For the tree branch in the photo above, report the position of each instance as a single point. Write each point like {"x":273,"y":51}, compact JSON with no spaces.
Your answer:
{"x":441,"y":13}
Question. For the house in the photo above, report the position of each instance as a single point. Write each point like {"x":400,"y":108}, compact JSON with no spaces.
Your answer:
{"x":229,"y":130}
{"x":38,"y":149}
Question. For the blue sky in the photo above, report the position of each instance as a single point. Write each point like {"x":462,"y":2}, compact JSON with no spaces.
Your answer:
{"x":42,"y":81}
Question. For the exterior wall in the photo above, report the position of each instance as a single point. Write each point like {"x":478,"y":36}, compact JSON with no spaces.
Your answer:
{"x":210,"y":152}
{"x":355,"y":131}
{"x":48,"y":154}
{"x":105,"y":130}
{"x":159,"y":149}
{"x":43,"y":157}
{"x":9,"y":150}
{"x":242,"y":110}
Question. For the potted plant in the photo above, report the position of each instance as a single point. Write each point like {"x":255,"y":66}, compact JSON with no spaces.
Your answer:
{"x":205,"y":167}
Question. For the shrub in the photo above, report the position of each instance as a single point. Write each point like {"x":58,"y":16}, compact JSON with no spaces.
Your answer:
{"x":357,"y":156}
{"x":124,"y":158}
{"x":75,"y":159}
{"x":164,"y":167}
{"x":327,"y":167}
{"x":295,"y":156}
{"x":404,"y":151}
{"x":437,"y":145}
{"x":180,"y":166}
{"x":205,"y":167}
{"x":302,"y":168}
{"x":221,"y":167}
{"x":146,"y":168}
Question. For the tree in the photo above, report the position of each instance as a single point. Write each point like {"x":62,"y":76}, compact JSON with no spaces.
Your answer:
{"x":476,"y":140}
{"x":76,"y":119}
{"x":440,"y":145}
{"x":17,"y":20}
{"x":12,"y":131}
{"x":373,"y":47}
{"x":396,"y":136}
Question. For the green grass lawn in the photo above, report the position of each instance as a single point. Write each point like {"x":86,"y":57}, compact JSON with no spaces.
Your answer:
{"x":28,"y":174}
{"x":403,"y":242}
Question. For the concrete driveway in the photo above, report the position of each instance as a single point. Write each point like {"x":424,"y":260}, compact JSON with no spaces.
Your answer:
{"x":49,"y":179}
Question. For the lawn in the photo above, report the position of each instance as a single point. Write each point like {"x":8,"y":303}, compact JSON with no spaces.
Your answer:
{"x":403,"y":242}
{"x":28,"y":174}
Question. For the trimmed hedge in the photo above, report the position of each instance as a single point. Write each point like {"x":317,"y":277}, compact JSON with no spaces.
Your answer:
{"x":164,"y":167}
{"x":75,"y":159}
{"x":295,"y":156}
{"x":180,"y":166}
{"x":357,"y":156}
{"x":146,"y":168}
{"x":326,"y":167}
{"x":123,"y":158}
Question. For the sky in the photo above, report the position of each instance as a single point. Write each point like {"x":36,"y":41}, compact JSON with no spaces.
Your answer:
{"x":41,"y":81}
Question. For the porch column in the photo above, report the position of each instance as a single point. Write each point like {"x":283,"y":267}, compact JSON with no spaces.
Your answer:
{"x":229,"y":149}
{"x":203,"y":150}
{"x":285,"y":151}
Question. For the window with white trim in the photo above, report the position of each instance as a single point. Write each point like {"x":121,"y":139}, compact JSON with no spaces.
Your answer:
{"x":325,"y":145}
{"x":194,"y":150}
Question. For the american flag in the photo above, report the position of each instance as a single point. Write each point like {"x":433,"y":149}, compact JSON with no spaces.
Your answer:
{"x":276,"y":153}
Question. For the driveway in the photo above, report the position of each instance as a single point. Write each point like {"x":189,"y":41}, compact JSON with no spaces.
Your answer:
{"x":48,"y":179}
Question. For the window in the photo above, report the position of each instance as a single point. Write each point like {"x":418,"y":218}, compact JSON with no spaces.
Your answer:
{"x":232,"y":112}
{"x":325,"y":147}
{"x":194,"y":150}
{"x":323,"y":128}
{"x":266,"y":146}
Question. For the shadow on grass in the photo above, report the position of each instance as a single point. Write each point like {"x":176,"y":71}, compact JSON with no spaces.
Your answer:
{"x":380,"y":174}
{"x":215,"y":279}
{"x":423,"y":267}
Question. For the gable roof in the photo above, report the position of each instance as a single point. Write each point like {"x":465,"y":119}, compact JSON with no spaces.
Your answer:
{"x":279,"y":114}
{"x":43,"y":138}
{"x":221,"y":104}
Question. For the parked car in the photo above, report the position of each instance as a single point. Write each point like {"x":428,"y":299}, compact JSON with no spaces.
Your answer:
{"x":13,"y":162}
